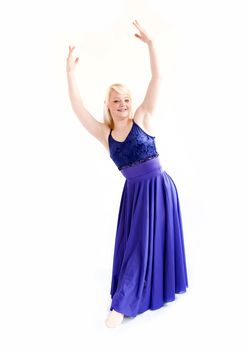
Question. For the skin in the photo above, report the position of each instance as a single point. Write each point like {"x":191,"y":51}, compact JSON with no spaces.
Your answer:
{"x":122,"y":122}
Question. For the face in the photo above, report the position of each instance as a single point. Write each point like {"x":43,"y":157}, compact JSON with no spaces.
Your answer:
{"x":119,"y":105}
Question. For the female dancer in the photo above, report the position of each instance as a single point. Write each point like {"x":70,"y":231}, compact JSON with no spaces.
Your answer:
{"x":149,"y":264}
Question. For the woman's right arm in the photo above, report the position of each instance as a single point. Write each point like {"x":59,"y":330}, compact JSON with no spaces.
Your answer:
{"x":94,"y":127}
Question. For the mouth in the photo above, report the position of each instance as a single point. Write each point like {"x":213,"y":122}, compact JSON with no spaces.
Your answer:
{"x":122,"y":109}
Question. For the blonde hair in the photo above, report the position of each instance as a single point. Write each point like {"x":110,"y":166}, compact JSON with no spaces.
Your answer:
{"x":121,"y":89}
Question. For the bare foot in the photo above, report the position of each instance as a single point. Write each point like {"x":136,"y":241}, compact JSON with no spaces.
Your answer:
{"x":115,"y":319}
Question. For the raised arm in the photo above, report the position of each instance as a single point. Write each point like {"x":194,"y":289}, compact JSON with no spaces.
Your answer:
{"x":92,"y":125}
{"x":149,"y":102}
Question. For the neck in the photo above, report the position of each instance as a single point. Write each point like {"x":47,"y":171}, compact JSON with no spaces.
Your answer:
{"x":122,"y":124}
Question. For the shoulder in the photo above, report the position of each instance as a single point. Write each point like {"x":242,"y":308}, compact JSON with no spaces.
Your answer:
{"x":106,"y":129}
{"x":144,"y":120}
{"x":105,"y":135}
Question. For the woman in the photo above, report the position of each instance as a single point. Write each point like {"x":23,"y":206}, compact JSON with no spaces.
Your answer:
{"x":149,"y":264}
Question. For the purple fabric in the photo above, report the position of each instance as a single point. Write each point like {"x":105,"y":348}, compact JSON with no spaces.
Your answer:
{"x":136,"y":148}
{"x":149,"y":264}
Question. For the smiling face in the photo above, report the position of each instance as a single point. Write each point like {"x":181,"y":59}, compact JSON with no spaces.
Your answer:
{"x":119,"y":105}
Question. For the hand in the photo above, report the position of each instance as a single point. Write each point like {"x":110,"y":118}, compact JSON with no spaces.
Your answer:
{"x":70,"y":63}
{"x":143,"y":35}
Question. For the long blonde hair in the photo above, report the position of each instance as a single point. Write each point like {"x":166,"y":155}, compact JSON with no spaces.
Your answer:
{"x":121,"y":89}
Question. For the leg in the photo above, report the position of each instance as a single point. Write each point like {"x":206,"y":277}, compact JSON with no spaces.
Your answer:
{"x":114,"y":319}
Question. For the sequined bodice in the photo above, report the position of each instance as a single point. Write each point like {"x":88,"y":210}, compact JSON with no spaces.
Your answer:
{"x":138,"y":147}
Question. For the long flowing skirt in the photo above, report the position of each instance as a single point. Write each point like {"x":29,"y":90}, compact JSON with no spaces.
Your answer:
{"x":149,"y":264}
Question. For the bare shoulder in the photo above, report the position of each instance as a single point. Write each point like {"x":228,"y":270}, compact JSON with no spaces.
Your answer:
{"x":104,"y":135}
{"x":145,"y":121}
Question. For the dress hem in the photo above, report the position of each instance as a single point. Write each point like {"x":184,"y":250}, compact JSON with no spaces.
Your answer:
{"x":148,"y":308}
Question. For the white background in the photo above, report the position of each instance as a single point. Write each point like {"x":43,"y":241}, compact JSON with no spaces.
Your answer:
{"x":60,"y":191}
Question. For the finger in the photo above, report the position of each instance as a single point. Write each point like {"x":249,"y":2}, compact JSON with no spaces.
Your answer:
{"x":138,"y":24}
{"x":69,"y":53}
{"x":135,"y":24}
{"x":138,"y":36}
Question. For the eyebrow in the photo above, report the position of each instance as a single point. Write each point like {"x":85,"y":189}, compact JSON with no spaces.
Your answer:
{"x":115,"y":98}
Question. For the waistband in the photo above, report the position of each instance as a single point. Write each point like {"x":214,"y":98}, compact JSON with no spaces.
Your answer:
{"x":143,"y":170}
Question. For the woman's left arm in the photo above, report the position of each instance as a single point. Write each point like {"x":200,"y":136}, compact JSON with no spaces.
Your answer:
{"x":150,"y":99}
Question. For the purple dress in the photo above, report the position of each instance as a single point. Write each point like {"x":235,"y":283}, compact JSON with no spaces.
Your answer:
{"x":149,"y":264}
